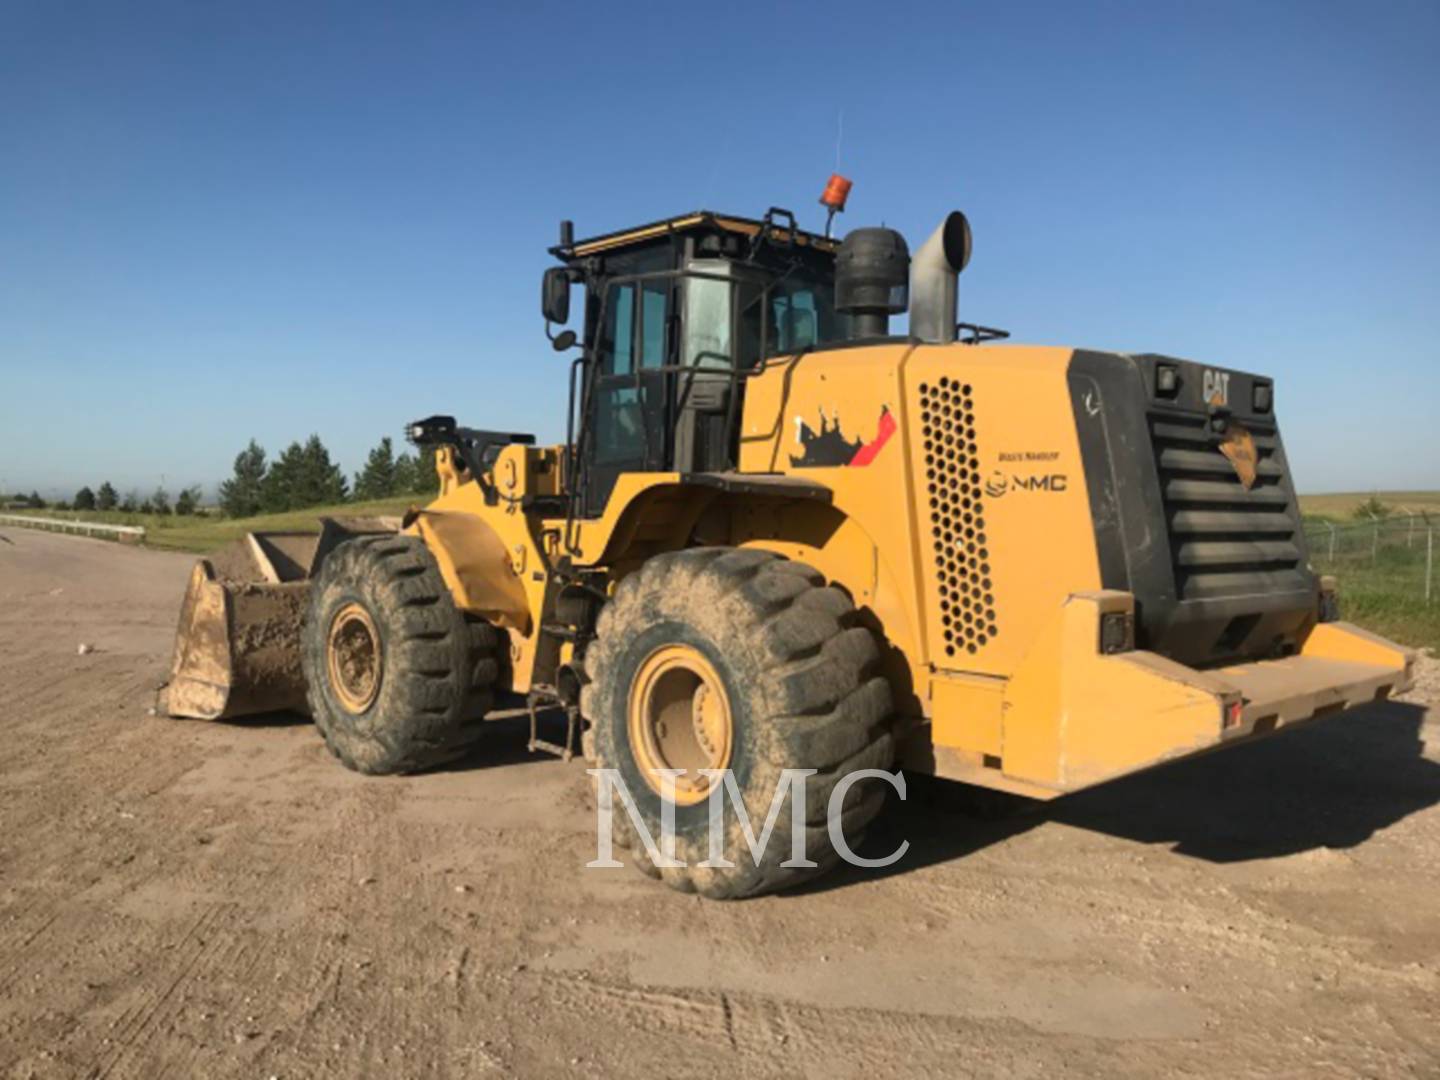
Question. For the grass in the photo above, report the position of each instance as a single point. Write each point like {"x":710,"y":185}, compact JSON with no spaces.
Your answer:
{"x":1382,"y":590}
{"x":203,"y":533}
{"x":1388,"y":594}
{"x":1341,"y":506}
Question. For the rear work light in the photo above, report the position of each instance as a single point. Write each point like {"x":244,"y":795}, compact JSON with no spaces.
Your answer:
{"x":1117,"y":632}
{"x":1232,"y":714}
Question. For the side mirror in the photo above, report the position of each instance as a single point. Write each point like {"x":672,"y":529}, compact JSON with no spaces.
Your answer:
{"x":555,"y":295}
{"x":566,"y":339}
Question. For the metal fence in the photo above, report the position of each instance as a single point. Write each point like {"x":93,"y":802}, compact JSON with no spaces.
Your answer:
{"x":1397,"y":550}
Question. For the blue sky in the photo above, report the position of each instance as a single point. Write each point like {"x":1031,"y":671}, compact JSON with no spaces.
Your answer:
{"x":220,"y":221}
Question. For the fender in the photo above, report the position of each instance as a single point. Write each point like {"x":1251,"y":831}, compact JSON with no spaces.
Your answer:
{"x":791,"y":516}
{"x":476,"y":566}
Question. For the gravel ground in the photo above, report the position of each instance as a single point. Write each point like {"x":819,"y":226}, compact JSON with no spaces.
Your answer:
{"x":192,"y":900}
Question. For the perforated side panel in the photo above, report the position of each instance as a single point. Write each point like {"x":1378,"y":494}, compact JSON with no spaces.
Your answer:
{"x":957,"y":516}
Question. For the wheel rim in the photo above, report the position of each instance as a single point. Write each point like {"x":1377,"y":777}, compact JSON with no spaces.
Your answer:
{"x":354,"y":658}
{"x":679,"y":718}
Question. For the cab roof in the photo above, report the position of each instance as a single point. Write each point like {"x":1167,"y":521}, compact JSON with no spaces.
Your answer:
{"x":698,"y":221}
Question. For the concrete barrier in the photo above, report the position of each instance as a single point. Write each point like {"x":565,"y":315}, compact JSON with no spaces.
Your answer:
{"x":126,"y":534}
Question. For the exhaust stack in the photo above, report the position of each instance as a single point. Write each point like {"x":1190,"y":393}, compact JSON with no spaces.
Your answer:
{"x":934,"y":274}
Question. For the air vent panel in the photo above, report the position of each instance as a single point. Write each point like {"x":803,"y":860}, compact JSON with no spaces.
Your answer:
{"x":958,"y":539}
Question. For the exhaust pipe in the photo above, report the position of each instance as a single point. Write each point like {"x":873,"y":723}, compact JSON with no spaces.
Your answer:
{"x":934,"y":274}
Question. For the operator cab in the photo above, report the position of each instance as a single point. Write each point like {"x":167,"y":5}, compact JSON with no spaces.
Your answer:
{"x":676,"y":314}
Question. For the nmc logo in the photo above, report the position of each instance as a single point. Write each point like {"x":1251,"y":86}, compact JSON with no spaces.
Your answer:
{"x":998,"y":483}
{"x":1050,"y":482}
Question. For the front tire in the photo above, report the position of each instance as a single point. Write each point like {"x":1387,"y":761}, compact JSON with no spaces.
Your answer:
{"x":742,"y":660}
{"x":397,"y":677}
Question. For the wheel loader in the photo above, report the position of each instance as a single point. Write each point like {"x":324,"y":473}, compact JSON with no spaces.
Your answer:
{"x":779,"y":535}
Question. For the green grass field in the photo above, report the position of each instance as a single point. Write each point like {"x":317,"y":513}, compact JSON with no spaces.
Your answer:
{"x":1383,"y":589}
{"x":1388,"y":597}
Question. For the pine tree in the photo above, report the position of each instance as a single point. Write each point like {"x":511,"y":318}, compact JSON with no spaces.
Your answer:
{"x":241,"y":495}
{"x":85,"y":499}
{"x":187,"y":500}
{"x":324,"y":481}
{"x":160,"y":501}
{"x":303,"y":476}
{"x":131,"y":503}
{"x":425,"y":481}
{"x":106,"y":499}
{"x":377,"y":479}
{"x":282,"y":481}
{"x":35,"y":501}
{"x":405,"y":472}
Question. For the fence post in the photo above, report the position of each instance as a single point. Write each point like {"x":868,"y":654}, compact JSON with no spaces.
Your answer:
{"x":1410,"y":536}
{"x":1375,"y":546}
{"x":1429,"y":562}
{"x":1331,"y":527}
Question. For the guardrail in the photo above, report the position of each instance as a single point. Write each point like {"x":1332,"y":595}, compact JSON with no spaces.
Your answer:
{"x":130,"y":534}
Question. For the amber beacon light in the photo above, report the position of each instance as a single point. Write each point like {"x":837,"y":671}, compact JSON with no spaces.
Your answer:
{"x":837,"y":190}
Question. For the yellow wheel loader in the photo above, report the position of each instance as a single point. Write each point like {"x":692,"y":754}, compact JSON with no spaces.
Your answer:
{"x":779,"y":536}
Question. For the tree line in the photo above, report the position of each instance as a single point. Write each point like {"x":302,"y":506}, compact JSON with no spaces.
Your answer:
{"x":107,"y":498}
{"x":304,"y":476}
{"x":157,"y":502}
{"x":301,"y":477}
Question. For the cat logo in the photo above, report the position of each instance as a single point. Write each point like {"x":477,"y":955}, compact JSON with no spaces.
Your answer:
{"x":1216,"y":387}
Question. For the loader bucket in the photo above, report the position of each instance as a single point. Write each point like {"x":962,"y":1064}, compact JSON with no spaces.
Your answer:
{"x":237,"y":647}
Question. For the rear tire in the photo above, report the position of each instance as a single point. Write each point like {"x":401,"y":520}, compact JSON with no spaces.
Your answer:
{"x":802,"y":689}
{"x":397,"y":677}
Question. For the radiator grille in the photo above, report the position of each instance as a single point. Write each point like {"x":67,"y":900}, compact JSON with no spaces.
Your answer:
{"x":957,"y":521}
{"x":1224,"y":541}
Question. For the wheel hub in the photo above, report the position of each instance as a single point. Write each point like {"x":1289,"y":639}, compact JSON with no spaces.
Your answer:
{"x":679,"y":718}
{"x":353,"y":658}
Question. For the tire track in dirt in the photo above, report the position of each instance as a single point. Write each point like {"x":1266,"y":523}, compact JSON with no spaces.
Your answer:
{"x":194,"y":954}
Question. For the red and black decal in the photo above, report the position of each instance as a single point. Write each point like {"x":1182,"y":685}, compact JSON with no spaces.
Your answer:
{"x":829,"y":447}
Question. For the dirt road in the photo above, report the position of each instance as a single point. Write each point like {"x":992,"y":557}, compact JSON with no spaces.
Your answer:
{"x":183,"y":899}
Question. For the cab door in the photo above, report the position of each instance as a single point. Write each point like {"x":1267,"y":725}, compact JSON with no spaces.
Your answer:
{"x":628,"y":422}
